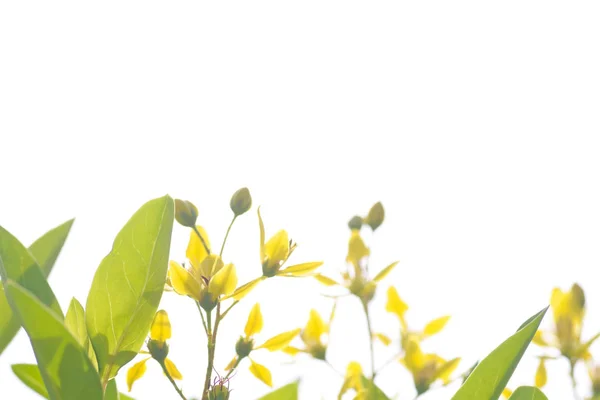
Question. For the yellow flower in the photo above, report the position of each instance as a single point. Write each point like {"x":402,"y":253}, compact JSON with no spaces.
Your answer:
{"x":160,"y":331}
{"x":397,"y":306}
{"x":312,"y":336}
{"x":594,"y":373}
{"x":275,"y":252}
{"x":541,"y":376}
{"x":354,"y":381}
{"x":426,"y":368}
{"x":245,"y":345}
{"x":208,"y":278}
{"x":568,"y":311}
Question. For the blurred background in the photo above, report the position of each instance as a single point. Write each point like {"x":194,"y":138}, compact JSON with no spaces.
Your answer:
{"x":475,"y":124}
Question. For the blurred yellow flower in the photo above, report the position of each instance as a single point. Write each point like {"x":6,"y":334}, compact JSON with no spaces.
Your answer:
{"x":160,"y":332}
{"x":354,"y":381}
{"x":312,"y":336}
{"x":245,"y":345}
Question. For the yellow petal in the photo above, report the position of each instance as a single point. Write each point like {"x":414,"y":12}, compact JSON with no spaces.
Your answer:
{"x":224,"y":282}
{"x":280,"y":341}
{"x":262,"y":236}
{"x":383,"y":338}
{"x":160,"y":329}
{"x":356,"y":248}
{"x":315,"y":327}
{"x":538,"y":339}
{"x":210,"y":266}
{"x":353,"y":379}
{"x":261,"y":372}
{"x":136,"y":372}
{"x":172,"y":369}
{"x":385,"y":272}
{"x":231,"y":364}
{"x":246,"y":288}
{"x":541,"y":377}
{"x":291,"y":350}
{"x":196,"y":252}
{"x":396,"y":305}
{"x":446,"y":369}
{"x":301,"y":269}
{"x":435,"y":326}
{"x":414,"y":359}
{"x":507,"y":393}
{"x":277,"y":248}
{"x":183,"y":282}
{"x":325,"y":280}
{"x":255,"y":321}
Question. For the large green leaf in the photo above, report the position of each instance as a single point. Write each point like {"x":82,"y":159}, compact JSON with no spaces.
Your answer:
{"x":287,"y":392}
{"x":23,"y":266}
{"x":128,"y":285}
{"x":67,"y":372}
{"x":528,"y":393}
{"x":30,"y":375}
{"x":75,"y":323}
{"x":492,"y":374}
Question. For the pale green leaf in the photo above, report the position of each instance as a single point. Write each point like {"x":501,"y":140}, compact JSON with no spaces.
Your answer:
{"x":111,"y":392}
{"x":67,"y":372}
{"x":45,"y":250}
{"x":75,"y":323}
{"x":128,"y":285}
{"x":287,"y":392}
{"x":528,"y":393}
{"x":491,"y":375}
{"x":30,"y":375}
{"x":374,"y":392}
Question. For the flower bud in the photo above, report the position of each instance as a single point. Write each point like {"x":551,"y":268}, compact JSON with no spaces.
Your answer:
{"x":158,"y":350}
{"x":218,"y":392}
{"x":243,"y":347}
{"x":318,"y":351}
{"x":206,"y":301}
{"x":376,"y":215}
{"x":355,"y":223}
{"x":186,"y":213}
{"x":241,"y":201}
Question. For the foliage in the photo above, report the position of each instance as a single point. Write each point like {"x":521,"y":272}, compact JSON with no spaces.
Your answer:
{"x":79,"y":353}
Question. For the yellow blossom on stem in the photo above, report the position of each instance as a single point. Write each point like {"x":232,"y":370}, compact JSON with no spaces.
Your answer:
{"x":246,"y":345}
{"x":208,"y":278}
{"x":160,"y":332}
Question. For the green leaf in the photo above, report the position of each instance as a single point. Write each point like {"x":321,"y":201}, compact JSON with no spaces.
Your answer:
{"x":75,"y":323}
{"x":287,"y":392}
{"x":123,"y":396}
{"x":30,"y":375}
{"x":492,"y":374}
{"x":128,"y":285}
{"x":528,"y":393}
{"x":45,"y":250}
{"x":375,"y":393}
{"x":111,"y":392}
{"x":67,"y":372}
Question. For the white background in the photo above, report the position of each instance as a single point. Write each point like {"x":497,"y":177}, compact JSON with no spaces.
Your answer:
{"x":476,"y":124}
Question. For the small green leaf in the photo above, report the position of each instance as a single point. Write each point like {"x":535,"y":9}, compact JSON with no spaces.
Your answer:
{"x":128,"y":285}
{"x":75,"y":323}
{"x":111,"y":392}
{"x":287,"y":392}
{"x":491,"y":375}
{"x":375,"y":393}
{"x":30,"y":375}
{"x":67,"y":372}
{"x":45,"y":250}
{"x":528,"y":393}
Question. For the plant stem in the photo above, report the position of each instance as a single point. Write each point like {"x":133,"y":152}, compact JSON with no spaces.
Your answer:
{"x":202,"y":240}
{"x":573,"y":380}
{"x":226,"y":236}
{"x":232,"y":368}
{"x":212,"y":344}
{"x":202,"y":315}
{"x":388,"y":362}
{"x":229,"y":308}
{"x":166,"y":371}
{"x":366,"y":310}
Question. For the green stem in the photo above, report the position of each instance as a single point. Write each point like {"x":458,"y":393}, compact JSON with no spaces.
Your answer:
{"x":202,"y":240}
{"x":229,"y":308}
{"x":166,"y":371}
{"x":573,"y":380}
{"x":232,"y":368}
{"x":212,"y":344}
{"x":369,"y":327}
{"x":202,"y":316}
{"x":226,"y":236}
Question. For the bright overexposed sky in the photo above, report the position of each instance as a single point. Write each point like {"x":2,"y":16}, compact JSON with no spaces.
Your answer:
{"x":475,"y":123}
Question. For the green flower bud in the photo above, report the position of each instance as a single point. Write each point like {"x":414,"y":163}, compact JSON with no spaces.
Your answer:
{"x":318,"y":351}
{"x":243,"y":347}
{"x":206,"y":301}
{"x":376,"y":215}
{"x":218,"y":392}
{"x":158,"y":350}
{"x":186,"y":213}
{"x":241,"y":201}
{"x":355,"y":223}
